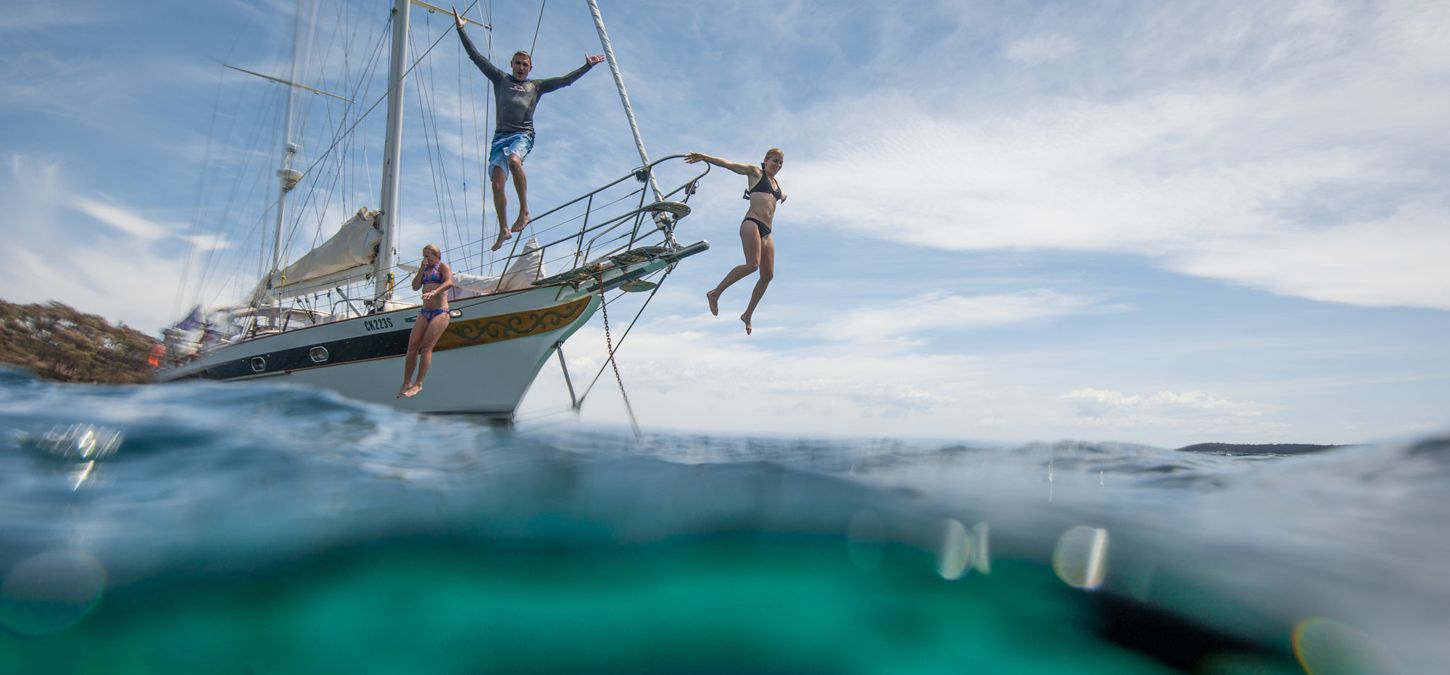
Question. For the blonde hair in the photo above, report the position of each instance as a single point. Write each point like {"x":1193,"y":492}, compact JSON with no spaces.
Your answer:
{"x":434,"y":248}
{"x":523,"y":54}
{"x":774,"y":151}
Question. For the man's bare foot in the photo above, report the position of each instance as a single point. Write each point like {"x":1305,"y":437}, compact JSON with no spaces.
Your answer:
{"x":412,"y":391}
{"x":402,"y":392}
{"x":746,"y":319}
{"x":520,"y":222}
{"x":714,"y":299}
{"x":503,"y":236}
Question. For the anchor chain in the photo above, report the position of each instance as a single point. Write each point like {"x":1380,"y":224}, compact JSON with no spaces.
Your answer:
{"x":609,"y":345}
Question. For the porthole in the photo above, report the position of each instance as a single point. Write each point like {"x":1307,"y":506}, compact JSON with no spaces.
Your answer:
{"x":318,"y":354}
{"x":259,"y":364}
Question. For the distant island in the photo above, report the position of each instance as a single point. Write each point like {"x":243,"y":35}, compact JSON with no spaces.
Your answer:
{"x":1257,"y":448}
{"x":58,"y":342}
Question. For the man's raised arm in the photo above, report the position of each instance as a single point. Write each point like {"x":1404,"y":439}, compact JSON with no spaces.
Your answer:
{"x":490,"y":71}
{"x":552,"y":83}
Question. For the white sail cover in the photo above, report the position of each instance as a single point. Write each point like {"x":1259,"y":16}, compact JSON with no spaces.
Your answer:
{"x":527,"y":268}
{"x":353,"y":247}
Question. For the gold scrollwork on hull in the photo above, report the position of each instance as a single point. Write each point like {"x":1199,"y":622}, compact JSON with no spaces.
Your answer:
{"x":510,"y":326}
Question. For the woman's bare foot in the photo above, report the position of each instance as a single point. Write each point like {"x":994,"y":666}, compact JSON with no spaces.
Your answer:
{"x":714,"y":298}
{"x":746,"y":319}
{"x":412,"y":391}
{"x":521,"y":221}
{"x":503,"y":236}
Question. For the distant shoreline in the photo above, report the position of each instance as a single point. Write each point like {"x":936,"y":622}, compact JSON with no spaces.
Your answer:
{"x":58,"y":342}
{"x":1258,"y":448}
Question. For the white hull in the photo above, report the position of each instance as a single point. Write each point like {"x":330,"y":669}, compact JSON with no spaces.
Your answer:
{"x":485,"y":363}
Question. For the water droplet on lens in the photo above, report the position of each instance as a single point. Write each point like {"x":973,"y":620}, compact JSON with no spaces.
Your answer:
{"x":954,"y":554}
{"x":50,"y":592}
{"x":1080,"y":558}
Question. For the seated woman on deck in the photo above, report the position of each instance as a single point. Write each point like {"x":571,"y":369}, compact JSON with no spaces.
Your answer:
{"x":434,"y":278}
{"x":764,"y":194}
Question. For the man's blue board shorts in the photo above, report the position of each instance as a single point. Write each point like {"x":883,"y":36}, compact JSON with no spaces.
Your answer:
{"x":509,"y":143}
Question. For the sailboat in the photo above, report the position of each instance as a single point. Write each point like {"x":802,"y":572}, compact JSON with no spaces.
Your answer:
{"x":332,"y":318}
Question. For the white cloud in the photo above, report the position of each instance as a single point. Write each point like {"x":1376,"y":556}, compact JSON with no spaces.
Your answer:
{"x":712,"y":381}
{"x":724,"y":379}
{"x":28,"y":17}
{"x":122,"y":218}
{"x":33,"y":189}
{"x":207,"y":242}
{"x":39,"y":83}
{"x":137,"y":288}
{"x":1166,"y":406}
{"x":128,"y":281}
{"x":1398,"y":260}
{"x":1037,"y":50}
{"x":904,"y":320}
{"x":1299,"y":143}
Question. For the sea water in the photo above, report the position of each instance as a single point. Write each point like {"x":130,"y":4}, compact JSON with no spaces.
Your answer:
{"x":205,"y":528}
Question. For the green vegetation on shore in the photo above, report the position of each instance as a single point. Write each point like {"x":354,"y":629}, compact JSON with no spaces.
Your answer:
{"x":58,"y":342}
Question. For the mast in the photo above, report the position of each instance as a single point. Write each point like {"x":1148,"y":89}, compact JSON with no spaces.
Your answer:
{"x":392,"y":157}
{"x":287,"y":176}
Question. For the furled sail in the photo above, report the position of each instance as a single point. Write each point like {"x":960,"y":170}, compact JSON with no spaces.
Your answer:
{"x":351,"y":249}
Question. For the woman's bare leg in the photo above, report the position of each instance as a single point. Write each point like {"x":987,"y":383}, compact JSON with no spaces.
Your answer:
{"x":767,"y":272}
{"x":425,"y":351}
{"x":750,"y":242}
{"x":410,"y":363}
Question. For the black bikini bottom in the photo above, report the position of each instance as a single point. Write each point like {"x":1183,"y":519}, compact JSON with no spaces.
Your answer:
{"x":764,"y":229}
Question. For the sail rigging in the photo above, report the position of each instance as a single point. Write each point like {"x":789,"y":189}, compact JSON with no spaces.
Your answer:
{"x":334,"y":317}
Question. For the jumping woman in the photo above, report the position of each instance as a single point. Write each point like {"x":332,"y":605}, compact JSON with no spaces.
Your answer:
{"x":764,"y":194}
{"x":434,"y":278}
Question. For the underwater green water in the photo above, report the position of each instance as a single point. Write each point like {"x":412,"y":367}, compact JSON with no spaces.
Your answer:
{"x":721,"y":604}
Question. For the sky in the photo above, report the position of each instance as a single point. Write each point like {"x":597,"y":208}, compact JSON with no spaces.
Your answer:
{"x":1144,"y":222}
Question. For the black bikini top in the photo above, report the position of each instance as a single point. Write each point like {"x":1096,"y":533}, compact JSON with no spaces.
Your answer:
{"x":763,"y":186}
